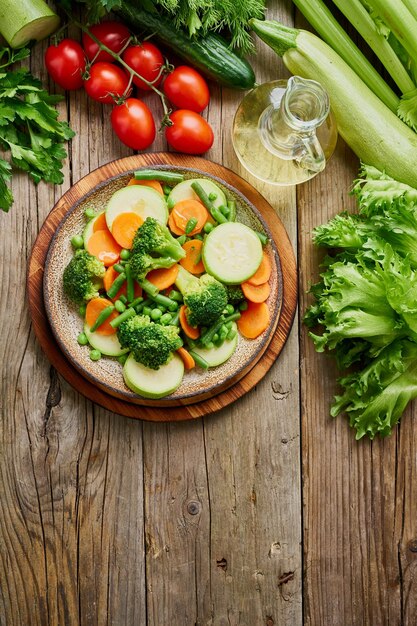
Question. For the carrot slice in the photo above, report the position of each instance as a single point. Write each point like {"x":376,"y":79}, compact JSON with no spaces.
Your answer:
{"x":256,"y":293}
{"x":102,"y":245}
{"x":93,"y":310}
{"x":163,"y":278}
{"x":254,"y":321}
{"x":192,"y":261}
{"x":100,"y":223}
{"x":188,"y":209}
{"x":155,"y":184}
{"x":188,"y":360}
{"x":173,"y":227}
{"x":109,"y":278}
{"x":190,"y":331}
{"x":263,"y":273}
{"x":124,"y":228}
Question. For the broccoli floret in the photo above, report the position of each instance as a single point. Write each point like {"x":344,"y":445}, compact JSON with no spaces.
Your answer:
{"x":153,"y":248}
{"x":151,"y":344}
{"x":234,"y":294}
{"x":205,"y":298}
{"x":82,"y":277}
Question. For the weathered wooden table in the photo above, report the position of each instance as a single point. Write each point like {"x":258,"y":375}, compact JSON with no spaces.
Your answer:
{"x":266,"y":513}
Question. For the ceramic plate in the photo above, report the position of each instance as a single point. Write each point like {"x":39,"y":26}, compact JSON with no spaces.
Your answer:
{"x":106,"y":373}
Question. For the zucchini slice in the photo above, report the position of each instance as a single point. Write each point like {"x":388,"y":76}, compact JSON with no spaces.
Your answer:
{"x":139,"y":199}
{"x":216,"y":356}
{"x":151,"y":383}
{"x":184,"y":191}
{"x":107,"y":344}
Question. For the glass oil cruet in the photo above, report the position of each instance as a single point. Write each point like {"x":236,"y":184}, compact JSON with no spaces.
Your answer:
{"x":284,"y":131}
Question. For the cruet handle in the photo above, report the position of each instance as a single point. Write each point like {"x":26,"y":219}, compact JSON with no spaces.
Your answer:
{"x":311,"y":156}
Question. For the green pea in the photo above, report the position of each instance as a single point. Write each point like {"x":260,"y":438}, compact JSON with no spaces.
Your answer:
{"x":95,"y":355}
{"x":215,"y":337}
{"x":119,"y":306}
{"x":124,"y":254}
{"x":82,"y":339}
{"x":156,"y":314}
{"x":170,"y":203}
{"x":229,"y":309}
{"x":229,"y":325}
{"x":198,"y":236}
{"x":82,"y":309}
{"x":243,"y":306}
{"x":223,"y":332}
{"x":225,"y":210}
{"x":208,"y":227}
{"x":166,"y":189}
{"x":147,"y":310}
{"x":212,"y":196}
{"x":165,"y":319}
{"x":122,"y":358}
{"x":77,"y":242}
{"x":90,"y":213}
{"x":209,"y":345}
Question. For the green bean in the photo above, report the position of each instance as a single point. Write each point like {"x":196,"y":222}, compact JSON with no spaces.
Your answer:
{"x":161,"y":175}
{"x":149,"y":287}
{"x":77,"y":242}
{"x":170,"y":203}
{"x":119,"y":306}
{"x":95,"y":355}
{"x":105,"y":313}
{"x":215,"y":338}
{"x":232,"y":210}
{"x":182,"y":239}
{"x":263,"y":238}
{"x":209,"y":334}
{"x":147,"y":310}
{"x":214,"y":211}
{"x":225,"y":210}
{"x":142,"y":305}
{"x":125,"y":254}
{"x":130,"y":288}
{"x":123,"y":298}
{"x":135,"y":302}
{"x":166,"y":189}
{"x":175,"y":295}
{"x":231,"y":334}
{"x":130,"y":312}
{"x":119,"y":268}
{"x":208,"y":227}
{"x":175,"y":318}
{"x":199,"y":360}
{"x":223,"y":332}
{"x":116,"y":285}
{"x":200,"y":237}
{"x":82,"y":339}
{"x":190,"y":225}
{"x":243,"y":306}
{"x":171,"y":305}
{"x":229,"y":309}
{"x":82,"y":309}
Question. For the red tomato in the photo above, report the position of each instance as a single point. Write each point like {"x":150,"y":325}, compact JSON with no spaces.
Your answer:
{"x":146,"y":60}
{"x":112,"y":34}
{"x":190,"y":133}
{"x":133,"y":123}
{"x":66,"y":64}
{"x":187,"y":89}
{"x":105,"y":81}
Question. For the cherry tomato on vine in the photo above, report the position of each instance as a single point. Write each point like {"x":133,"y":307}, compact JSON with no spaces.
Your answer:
{"x":146,"y":60}
{"x":187,"y":89}
{"x":112,"y":34}
{"x":66,"y":64}
{"x":133,"y":123}
{"x":189,"y":133}
{"x":106,"y":80}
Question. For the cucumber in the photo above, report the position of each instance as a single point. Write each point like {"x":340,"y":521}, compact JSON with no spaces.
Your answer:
{"x":232,"y":253}
{"x":211,"y":54}
{"x":217,"y":356}
{"x":107,"y":344}
{"x":153,"y":383}
{"x":89,"y":229}
{"x":183,"y":191}
{"x":144,"y":201}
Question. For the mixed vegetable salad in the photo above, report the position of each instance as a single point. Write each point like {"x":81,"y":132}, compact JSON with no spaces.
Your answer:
{"x":165,"y":279}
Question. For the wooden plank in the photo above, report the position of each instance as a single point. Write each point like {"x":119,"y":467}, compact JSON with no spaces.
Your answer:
{"x":239,"y":562}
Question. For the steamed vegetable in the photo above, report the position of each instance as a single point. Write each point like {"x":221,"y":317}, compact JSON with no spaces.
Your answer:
{"x":82,"y":277}
{"x":151,"y":344}
{"x":374,"y":133}
{"x":204,"y":298}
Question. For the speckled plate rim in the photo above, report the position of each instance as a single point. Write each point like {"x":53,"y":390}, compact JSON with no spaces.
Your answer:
{"x":204,"y":392}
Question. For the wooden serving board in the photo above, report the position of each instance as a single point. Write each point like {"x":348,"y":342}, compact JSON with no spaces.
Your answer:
{"x":87,"y":388}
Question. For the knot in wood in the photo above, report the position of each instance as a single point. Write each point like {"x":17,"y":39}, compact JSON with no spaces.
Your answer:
{"x":412,"y":545}
{"x":194,"y":507}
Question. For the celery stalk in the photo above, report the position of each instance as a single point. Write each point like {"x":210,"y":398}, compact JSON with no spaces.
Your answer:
{"x":359,"y":17}
{"x":400,"y":20}
{"x":412,"y":7}
{"x":333,"y":34}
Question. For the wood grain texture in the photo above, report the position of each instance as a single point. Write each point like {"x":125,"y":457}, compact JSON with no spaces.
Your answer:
{"x":207,"y":402}
{"x":108,"y":520}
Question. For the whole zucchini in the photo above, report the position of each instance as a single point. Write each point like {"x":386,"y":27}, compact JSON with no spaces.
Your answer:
{"x":211,"y":54}
{"x":376,"y":135}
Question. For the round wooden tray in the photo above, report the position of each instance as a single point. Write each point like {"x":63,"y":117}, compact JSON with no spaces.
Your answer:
{"x":91,"y":391}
